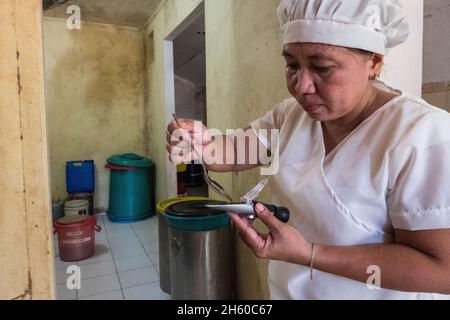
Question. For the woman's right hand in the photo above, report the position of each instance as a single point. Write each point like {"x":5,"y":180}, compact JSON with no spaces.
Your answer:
{"x":183,"y":135}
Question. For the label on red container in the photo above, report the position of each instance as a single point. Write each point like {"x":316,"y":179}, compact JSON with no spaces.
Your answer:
{"x":76,"y":241}
{"x":74,"y":234}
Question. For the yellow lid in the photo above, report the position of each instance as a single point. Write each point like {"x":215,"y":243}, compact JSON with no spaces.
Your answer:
{"x":181,"y":168}
{"x":163,"y":205}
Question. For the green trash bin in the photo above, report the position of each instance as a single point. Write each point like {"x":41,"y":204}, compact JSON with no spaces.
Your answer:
{"x":131,"y":188}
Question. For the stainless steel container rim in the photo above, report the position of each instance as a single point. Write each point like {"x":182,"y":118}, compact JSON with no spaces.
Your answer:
{"x":193,"y":209}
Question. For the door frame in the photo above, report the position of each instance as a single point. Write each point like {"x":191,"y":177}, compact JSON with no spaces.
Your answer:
{"x":169,"y":85}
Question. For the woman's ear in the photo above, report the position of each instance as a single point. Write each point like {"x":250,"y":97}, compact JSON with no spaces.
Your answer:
{"x":377,"y":65}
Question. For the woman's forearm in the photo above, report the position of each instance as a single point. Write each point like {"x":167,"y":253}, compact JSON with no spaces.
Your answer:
{"x":400,"y":267}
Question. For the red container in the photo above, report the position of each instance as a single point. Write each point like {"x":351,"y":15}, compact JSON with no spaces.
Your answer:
{"x":76,"y":237}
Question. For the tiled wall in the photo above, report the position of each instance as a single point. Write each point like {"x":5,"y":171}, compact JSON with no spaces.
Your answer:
{"x":437,"y":95}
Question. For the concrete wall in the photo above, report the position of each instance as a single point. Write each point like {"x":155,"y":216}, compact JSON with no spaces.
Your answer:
{"x":95,"y":97}
{"x":438,"y":96}
{"x":403,"y":68}
{"x":185,"y":98}
{"x":189,"y":99}
{"x":26,"y":251}
{"x":163,"y":23}
{"x":436,"y":54}
{"x":245,"y":78}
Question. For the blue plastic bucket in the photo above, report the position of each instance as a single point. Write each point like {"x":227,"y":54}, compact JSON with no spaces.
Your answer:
{"x":80,"y":176}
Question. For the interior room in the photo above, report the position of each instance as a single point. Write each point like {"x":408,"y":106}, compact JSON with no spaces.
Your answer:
{"x":107,"y":78}
{"x":436,"y":54}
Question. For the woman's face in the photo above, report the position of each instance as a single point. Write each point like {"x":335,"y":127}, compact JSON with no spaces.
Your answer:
{"x":329,"y":82}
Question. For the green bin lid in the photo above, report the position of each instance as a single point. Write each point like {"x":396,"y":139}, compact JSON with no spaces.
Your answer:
{"x":195,"y":208}
{"x":130,"y":160}
{"x":194,"y":216}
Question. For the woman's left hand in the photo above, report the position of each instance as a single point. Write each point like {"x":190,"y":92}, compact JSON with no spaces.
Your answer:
{"x":282,"y":243}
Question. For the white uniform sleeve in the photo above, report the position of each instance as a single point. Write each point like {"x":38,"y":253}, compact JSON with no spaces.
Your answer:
{"x":420,"y":176}
{"x":272,"y":120}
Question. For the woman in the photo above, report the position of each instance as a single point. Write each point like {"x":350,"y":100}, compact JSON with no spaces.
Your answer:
{"x":362,"y":166}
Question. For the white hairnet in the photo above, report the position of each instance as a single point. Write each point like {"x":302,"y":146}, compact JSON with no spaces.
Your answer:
{"x":372,"y":25}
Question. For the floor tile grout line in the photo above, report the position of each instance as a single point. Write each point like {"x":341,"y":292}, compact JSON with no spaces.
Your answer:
{"x":142,"y":284}
{"x":131,"y":256}
{"x":134,"y":269}
{"x":111,"y":273}
{"x":77,"y":296}
{"x":139,"y":240}
{"x":76,"y":291}
{"x":95,"y":262}
{"x":114,"y":262}
{"x":135,"y":286}
{"x":122,"y":288}
{"x":146,"y":253}
{"x":97,"y":294}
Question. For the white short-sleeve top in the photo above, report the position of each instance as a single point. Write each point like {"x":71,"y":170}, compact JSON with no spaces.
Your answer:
{"x":392,"y":172}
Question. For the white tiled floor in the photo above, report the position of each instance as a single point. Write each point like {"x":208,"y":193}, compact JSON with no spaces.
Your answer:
{"x":125,"y":264}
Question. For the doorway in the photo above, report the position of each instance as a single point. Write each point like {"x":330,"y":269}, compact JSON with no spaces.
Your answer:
{"x":186,"y":94}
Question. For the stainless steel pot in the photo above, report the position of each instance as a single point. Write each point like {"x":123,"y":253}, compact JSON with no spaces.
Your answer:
{"x":201,"y":264}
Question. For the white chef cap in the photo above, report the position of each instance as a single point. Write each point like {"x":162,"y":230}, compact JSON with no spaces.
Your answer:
{"x":372,"y":25}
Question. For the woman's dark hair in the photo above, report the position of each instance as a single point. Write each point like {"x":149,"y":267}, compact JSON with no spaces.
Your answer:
{"x":365,"y":54}
{"x":361,"y":52}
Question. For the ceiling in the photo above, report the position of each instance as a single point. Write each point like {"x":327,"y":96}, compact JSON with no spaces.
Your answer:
{"x":133,"y":13}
